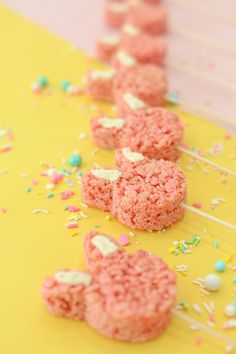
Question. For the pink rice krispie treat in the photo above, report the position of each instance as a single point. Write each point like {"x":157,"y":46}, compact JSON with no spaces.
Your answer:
{"x":146,"y":49}
{"x":98,"y":247}
{"x":154,"y":132}
{"x":115,"y":13}
{"x":148,"y":197}
{"x":63,"y":293}
{"x":132,"y":298}
{"x":150,"y":19}
{"x":107,"y":46}
{"x":147,"y":82}
{"x":100,"y":84}
{"x":127,"y":103}
{"x":107,"y":132}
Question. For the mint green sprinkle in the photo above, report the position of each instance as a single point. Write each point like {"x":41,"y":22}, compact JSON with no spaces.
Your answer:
{"x":28,"y":189}
{"x":65,"y":84}
{"x":96,"y":226}
{"x":50,"y":195}
{"x":80,"y":173}
{"x":42,"y":81}
{"x":234,"y":281}
{"x":216,"y":244}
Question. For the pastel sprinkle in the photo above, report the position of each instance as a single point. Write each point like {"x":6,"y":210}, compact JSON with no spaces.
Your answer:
{"x":28,"y":189}
{"x":75,"y":160}
{"x":197,"y":205}
{"x":72,"y":209}
{"x":42,"y":81}
{"x":71,"y":225}
{"x":50,"y":186}
{"x":40,"y":211}
{"x":124,"y":240}
{"x":234,"y":280}
{"x":108,"y":217}
{"x":80,"y":174}
{"x":220,"y":266}
{"x":216,"y":244}
{"x":50,"y":195}
{"x":56,"y":178}
{"x":3,"y":210}
{"x":65,"y":84}
{"x":67,"y":194}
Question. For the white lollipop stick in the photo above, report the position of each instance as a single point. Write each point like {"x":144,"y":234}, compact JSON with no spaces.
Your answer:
{"x":209,"y":217}
{"x":206,"y":161}
{"x":231,"y":344}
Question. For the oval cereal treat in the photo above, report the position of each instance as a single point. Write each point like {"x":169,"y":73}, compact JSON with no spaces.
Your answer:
{"x":147,"y":82}
{"x":99,"y":247}
{"x":100,"y":84}
{"x":107,"y":131}
{"x":63,"y":293}
{"x":146,"y":49}
{"x":150,"y":19}
{"x":97,"y":187}
{"x":150,"y":197}
{"x":154,"y":132}
{"x":106,"y":47}
{"x":132,"y":299}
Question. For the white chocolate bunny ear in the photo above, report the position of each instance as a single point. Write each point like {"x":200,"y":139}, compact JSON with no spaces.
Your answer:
{"x":97,"y":248}
{"x":109,"y":175}
{"x":107,"y":122}
{"x":132,"y":156}
{"x":104,"y":244}
{"x":73,"y":277}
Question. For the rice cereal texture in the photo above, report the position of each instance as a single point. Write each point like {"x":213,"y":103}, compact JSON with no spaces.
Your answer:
{"x":106,"y":47}
{"x":150,"y":19}
{"x":63,"y":293}
{"x":115,"y":13}
{"x":132,"y":297}
{"x":154,"y":132}
{"x":100,"y":85}
{"x":146,"y":49}
{"x":148,"y":197}
{"x":147,"y":82}
{"x":107,"y":132}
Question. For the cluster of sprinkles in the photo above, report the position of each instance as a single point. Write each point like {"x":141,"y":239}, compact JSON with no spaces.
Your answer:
{"x":185,"y":246}
{"x":6,"y":139}
{"x":42,"y":85}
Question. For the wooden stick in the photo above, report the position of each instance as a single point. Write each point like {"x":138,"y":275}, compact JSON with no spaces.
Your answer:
{"x":206,"y":161}
{"x":209,"y":217}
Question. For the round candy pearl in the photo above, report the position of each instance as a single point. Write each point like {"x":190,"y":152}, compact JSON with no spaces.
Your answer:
{"x":42,"y":81}
{"x":220,"y":266}
{"x":75,"y":160}
{"x":212,"y":282}
{"x":65,"y":85}
{"x":230,"y":310}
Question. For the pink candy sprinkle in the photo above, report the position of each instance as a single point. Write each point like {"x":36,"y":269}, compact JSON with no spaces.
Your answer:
{"x":36,"y":88}
{"x":56,"y":178}
{"x":72,"y":225}
{"x":49,"y":283}
{"x":67,"y":194}
{"x":72,"y":209}
{"x":198,"y":341}
{"x":124,"y":240}
{"x":3,"y":210}
{"x":34,"y":182}
{"x":227,"y":137}
{"x":197,"y":205}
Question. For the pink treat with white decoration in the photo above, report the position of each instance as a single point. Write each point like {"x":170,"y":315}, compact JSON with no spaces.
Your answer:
{"x":100,"y":84}
{"x":115,"y":13}
{"x":150,"y":19}
{"x":107,"y":132}
{"x":132,"y":297}
{"x":146,"y":49}
{"x":122,"y":59}
{"x":63,"y":293}
{"x":106,"y":47}
{"x":128,"y":160}
{"x":147,"y":82}
{"x":94,"y":258}
{"x":147,"y":197}
{"x":154,"y":132}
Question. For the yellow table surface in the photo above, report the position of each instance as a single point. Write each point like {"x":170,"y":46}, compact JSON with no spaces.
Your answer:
{"x":46,"y":128}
